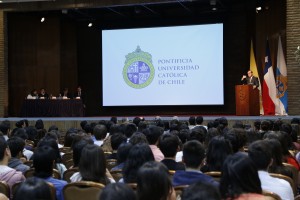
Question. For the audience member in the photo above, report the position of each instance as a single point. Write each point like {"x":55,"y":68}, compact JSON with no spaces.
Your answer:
{"x":200,"y":190}
{"x":138,"y":138}
{"x":153,"y":133}
{"x":193,"y":156}
{"x":33,"y":189}
{"x":138,"y":155}
{"x":7,"y":174}
{"x":116,"y":140}
{"x":5,"y":129}
{"x":239,"y":180}
{"x":117,"y":191}
{"x":33,"y":94}
{"x":100,"y":132}
{"x":122,"y":154}
{"x":169,"y":146}
{"x":218,"y":150}
{"x":16,"y":146}
{"x":92,"y":166}
{"x":237,"y":138}
{"x":260,"y":153}
{"x":153,"y":182}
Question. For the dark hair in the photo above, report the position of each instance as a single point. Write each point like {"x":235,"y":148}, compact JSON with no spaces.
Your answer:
{"x":92,"y":164}
{"x":238,"y":124}
{"x":116,"y":191}
{"x":184,"y":135}
{"x":114,"y":120}
{"x":69,"y":138}
{"x":16,"y":145}
{"x":237,"y":138}
{"x":32,"y":133}
{"x":48,"y":141}
{"x":130,"y":129}
{"x":211,"y":133}
{"x":218,"y":150}
{"x":100,"y":131}
{"x":260,"y":153}
{"x":239,"y":175}
{"x":123,"y":152}
{"x":39,"y":124}
{"x":201,"y":190}
{"x":43,"y":159}
{"x":138,"y":138}
{"x":199,"y":120}
{"x":77,"y":149}
{"x":117,"y":139}
{"x":20,"y":124}
{"x":5,"y":127}
{"x":3,"y":146}
{"x":169,"y":144}
{"x":82,"y":124}
{"x":153,"y":182}
{"x":33,"y":189}
{"x":136,"y":121}
{"x":53,"y":127}
{"x":20,"y":132}
{"x":192,"y":120}
{"x":138,"y":155}
{"x":193,"y":153}
{"x":265,"y":125}
{"x":153,"y":133}
{"x":198,"y":133}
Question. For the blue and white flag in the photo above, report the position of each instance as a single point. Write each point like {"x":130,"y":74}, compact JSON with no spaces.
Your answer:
{"x":281,"y":81}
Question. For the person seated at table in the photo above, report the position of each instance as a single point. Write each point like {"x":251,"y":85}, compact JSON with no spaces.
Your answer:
{"x":33,"y":94}
{"x":79,"y":94}
{"x":66,"y":94}
{"x":43,"y":94}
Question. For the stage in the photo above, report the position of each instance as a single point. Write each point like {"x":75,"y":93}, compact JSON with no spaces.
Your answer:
{"x":64,"y":123}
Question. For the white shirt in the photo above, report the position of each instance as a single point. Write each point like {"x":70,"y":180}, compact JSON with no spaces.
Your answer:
{"x":276,"y":185}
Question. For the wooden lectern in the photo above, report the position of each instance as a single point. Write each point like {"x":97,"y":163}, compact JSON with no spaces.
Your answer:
{"x":247,"y":100}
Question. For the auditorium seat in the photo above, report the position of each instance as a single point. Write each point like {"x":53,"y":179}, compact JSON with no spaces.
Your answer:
{"x":86,"y":190}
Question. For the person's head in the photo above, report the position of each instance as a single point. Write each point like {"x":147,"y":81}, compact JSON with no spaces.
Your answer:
{"x":192,"y":120}
{"x":198,"y":133}
{"x":276,"y":150}
{"x":199,"y":120}
{"x":48,"y":140}
{"x":138,"y":138}
{"x":33,"y":92}
{"x":116,"y":191}
{"x":77,"y":149}
{"x":43,"y":160}
{"x":123,"y":152}
{"x":201,"y":190}
{"x":5,"y":154}
{"x":114,"y":120}
{"x":237,"y":138}
{"x":5,"y":127}
{"x":39,"y":124}
{"x":130,"y":128}
{"x":239,"y":175}
{"x":249,"y":73}
{"x":16,"y":146}
{"x":33,"y":189}
{"x":78,"y":88}
{"x":92,"y":164}
{"x":193,"y":154}
{"x":257,"y":124}
{"x":169,"y":145}
{"x":211,"y":133}
{"x":32,"y":133}
{"x":265,"y":125}
{"x":100,"y":132}
{"x":20,"y":132}
{"x":153,"y":133}
{"x":218,"y":150}
{"x":153,"y":182}
{"x":184,"y":135}
{"x":117,"y":139}
{"x":70,"y":136}
{"x":136,"y":121}
{"x":260,"y":153}
{"x":42,"y":91}
{"x":83,"y":123}
{"x":238,"y":124}
{"x":138,"y":155}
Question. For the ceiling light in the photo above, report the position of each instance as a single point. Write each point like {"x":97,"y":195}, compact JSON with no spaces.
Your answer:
{"x":42,"y":19}
{"x":90,"y":24}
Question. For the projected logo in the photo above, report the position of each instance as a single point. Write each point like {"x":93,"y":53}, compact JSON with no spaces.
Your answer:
{"x":138,"y":71}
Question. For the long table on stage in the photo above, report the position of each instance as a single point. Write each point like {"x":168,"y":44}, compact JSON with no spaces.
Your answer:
{"x":52,"y":108}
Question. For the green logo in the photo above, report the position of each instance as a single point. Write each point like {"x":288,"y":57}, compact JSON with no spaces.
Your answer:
{"x":138,"y":71}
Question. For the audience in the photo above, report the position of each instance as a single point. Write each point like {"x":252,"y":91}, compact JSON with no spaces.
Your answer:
{"x":200,"y":190}
{"x":153,"y":133}
{"x":100,"y":132}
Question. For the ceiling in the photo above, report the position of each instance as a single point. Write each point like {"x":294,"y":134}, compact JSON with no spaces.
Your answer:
{"x":111,"y":9}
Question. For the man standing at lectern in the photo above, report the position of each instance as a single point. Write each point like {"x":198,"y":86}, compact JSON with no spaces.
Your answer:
{"x":250,"y":79}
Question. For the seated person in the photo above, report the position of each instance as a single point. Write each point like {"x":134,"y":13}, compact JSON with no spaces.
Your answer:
{"x":117,"y":191}
{"x":33,"y":94}
{"x":16,"y":146}
{"x":193,"y":156}
{"x":260,"y":153}
{"x":100,"y":132}
{"x":43,"y":94}
{"x":116,"y":140}
{"x":7,"y":174}
{"x":201,"y":190}
{"x":43,"y":160}
{"x":169,"y":146}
